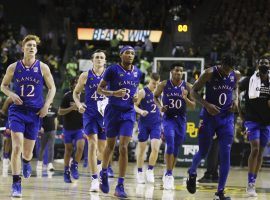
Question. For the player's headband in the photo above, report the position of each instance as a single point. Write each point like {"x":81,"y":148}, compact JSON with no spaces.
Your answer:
{"x":125,"y":48}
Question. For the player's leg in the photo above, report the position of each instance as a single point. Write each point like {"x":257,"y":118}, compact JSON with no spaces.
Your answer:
{"x":43,"y":142}
{"x":51,"y":141}
{"x":253,"y":131}
{"x":108,"y":152}
{"x":78,"y":154}
{"x":205,"y":135}
{"x":155,"y":145}
{"x":92,"y":153}
{"x":101,"y":144}
{"x":6,"y":150}
{"x":169,"y":133}
{"x":92,"y":159}
{"x":85,"y":153}
{"x":142,"y":144}
{"x":211,"y":173}
{"x":125,"y":133}
{"x":17,"y":146}
{"x":27,"y":154}
{"x":30,"y":135}
{"x":67,"y":155}
{"x":100,"y":152}
{"x":225,"y":136}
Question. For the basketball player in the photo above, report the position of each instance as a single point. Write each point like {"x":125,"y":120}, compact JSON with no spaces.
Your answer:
{"x":28,"y":76}
{"x":149,"y":125}
{"x":120,"y":83}
{"x":176,"y":96}
{"x":92,"y":118}
{"x":73,"y":133}
{"x":217,"y":117}
{"x":256,"y":118}
{"x":7,"y":135}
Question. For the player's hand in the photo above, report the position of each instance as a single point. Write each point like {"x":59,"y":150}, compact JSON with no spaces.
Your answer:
{"x":144,"y":113}
{"x":212,"y":109}
{"x":43,"y":111}
{"x":164,"y":108}
{"x":184,"y":93}
{"x":41,"y":131}
{"x":135,"y":98}
{"x":7,"y":131}
{"x":120,"y":93}
{"x":16,"y":99}
{"x":81,"y":108}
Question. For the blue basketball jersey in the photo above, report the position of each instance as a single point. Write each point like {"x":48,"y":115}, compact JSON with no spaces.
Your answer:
{"x":91,"y":95}
{"x":147,"y":103}
{"x":28,"y":84}
{"x":172,"y":98}
{"x":219,"y":90}
{"x":118,"y":78}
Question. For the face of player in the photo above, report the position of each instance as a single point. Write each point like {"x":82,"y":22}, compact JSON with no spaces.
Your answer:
{"x":30,"y":48}
{"x":177,"y":73}
{"x":263,"y":66}
{"x":99,"y":59}
{"x":127,"y":57}
{"x":153,"y":84}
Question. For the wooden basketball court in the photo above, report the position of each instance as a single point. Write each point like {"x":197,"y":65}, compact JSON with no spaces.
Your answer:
{"x":46,"y":186}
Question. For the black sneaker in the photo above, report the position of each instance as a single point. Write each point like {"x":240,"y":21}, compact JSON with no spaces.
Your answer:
{"x":205,"y":179}
{"x":191,"y":183}
{"x":220,"y":196}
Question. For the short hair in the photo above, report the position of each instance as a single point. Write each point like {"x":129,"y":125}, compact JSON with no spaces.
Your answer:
{"x":262,"y":58}
{"x":98,"y":51}
{"x":228,"y":60}
{"x":31,"y":37}
{"x":155,"y":76}
{"x":179,"y":64}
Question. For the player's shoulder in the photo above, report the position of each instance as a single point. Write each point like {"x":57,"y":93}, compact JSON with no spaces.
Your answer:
{"x":12,"y":66}
{"x":84,"y":75}
{"x":237,"y":74}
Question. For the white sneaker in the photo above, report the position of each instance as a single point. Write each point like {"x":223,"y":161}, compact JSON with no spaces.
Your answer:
{"x":168,"y":182}
{"x":140,"y":177}
{"x":251,"y":191}
{"x":94,"y":185}
{"x":5,"y":163}
{"x":50,"y":167}
{"x":39,"y":165}
{"x":150,"y":176}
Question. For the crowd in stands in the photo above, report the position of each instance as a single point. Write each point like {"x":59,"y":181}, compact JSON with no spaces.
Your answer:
{"x":241,"y":28}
